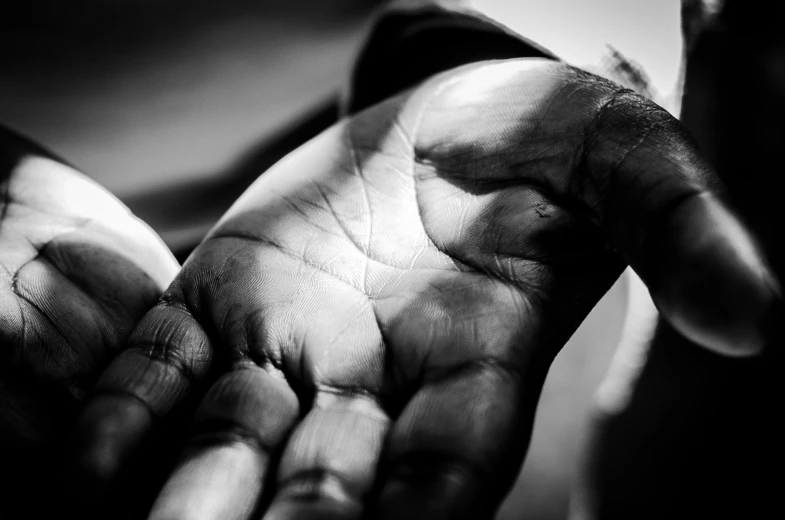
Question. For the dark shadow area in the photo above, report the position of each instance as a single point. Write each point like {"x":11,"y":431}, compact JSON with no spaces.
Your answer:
{"x":46,"y":365}
{"x":97,"y":15}
{"x":703,"y":437}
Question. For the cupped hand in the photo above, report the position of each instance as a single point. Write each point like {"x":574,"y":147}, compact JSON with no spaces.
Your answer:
{"x":372,"y":321}
{"x":78,"y":272}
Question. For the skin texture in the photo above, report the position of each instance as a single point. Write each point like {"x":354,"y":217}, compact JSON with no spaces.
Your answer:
{"x":77,"y":272}
{"x":367,"y":329}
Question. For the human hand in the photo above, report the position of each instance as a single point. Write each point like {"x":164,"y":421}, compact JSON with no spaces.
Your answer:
{"x":78,"y":270}
{"x":372,"y":321}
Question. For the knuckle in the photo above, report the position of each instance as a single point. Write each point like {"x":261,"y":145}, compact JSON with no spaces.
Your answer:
{"x":167,"y":356}
{"x":246,"y":405}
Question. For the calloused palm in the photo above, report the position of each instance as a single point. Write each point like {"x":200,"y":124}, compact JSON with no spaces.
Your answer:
{"x":78,"y":272}
{"x":383,"y":305}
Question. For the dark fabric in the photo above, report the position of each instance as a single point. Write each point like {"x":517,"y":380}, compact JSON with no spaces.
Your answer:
{"x":406,"y":47}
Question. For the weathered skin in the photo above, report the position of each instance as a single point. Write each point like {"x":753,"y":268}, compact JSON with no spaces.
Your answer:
{"x":77,"y":272}
{"x":381,"y":308}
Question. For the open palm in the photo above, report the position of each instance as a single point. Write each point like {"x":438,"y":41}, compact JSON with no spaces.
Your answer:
{"x":78,"y":270}
{"x":381,"y":308}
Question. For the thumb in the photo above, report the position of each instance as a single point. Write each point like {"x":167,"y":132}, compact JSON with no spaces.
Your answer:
{"x":661,"y":211}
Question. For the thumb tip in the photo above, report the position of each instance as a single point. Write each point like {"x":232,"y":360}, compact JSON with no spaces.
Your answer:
{"x":710,"y":279}
{"x":747,"y":326}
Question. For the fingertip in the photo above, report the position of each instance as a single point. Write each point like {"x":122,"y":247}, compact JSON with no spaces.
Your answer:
{"x":323,"y":510}
{"x":319,"y":495}
{"x":216,"y":482}
{"x":709,"y":278}
{"x":107,"y":433}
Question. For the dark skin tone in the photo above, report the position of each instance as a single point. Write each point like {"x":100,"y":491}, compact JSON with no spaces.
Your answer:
{"x":368,"y":328}
{"x":78,"y":272}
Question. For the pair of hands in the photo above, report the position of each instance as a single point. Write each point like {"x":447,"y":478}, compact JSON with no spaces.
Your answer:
{"x":368,"y":328}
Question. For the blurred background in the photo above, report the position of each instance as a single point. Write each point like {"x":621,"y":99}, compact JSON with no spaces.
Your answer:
{"x":175,"y":106}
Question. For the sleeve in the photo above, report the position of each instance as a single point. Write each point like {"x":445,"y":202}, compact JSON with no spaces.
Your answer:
{"x":411,"y":41}
{"x":637,"y":43}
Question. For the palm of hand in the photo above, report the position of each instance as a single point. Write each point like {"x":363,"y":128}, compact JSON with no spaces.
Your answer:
{"x":406,"y":280}
{"x":385,"y":302}
{"x":78,"y":271}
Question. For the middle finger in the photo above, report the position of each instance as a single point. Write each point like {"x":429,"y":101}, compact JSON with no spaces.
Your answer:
{"x":330,"y":462}
{"x":239,"y":426}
